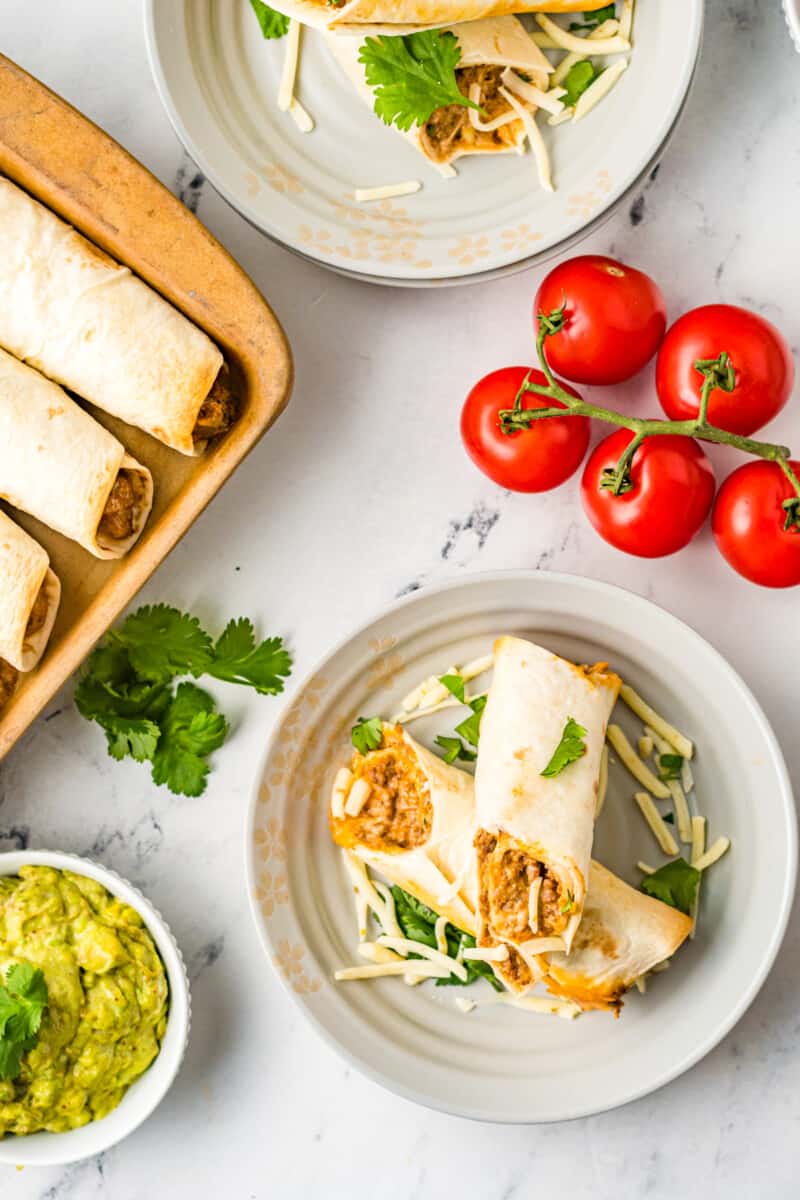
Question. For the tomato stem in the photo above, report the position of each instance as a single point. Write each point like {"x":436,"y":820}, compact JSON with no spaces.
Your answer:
{"x":717,"y":372}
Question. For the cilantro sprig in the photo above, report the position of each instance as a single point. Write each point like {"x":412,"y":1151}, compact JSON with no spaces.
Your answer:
{"x":670,"y":766}
{"x":577,"y":80}
{"x":569,"y":749}
{"x":367,"y":734}
{"x":591,"y":20}
{"x":418,"y":923}
{"x":675,"y":883}
{"x":469,"y":729}
{"x":413,"y":75}
{"x":128,"y":689}
{"x":273,"y":24}
{"x":23,"y":1000}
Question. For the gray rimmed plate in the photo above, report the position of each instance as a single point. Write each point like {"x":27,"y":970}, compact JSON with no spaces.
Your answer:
{"x":218,"y":80}
{"x":497,"y":1064}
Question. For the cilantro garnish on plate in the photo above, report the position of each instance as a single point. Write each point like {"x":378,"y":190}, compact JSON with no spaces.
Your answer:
{"x":23,"y":999}
{"x":273,"y":24}
{"x":675,"y":883}
{"x":413,"y":75}
{"x":367,"y":734}
{"x":128,"y":688}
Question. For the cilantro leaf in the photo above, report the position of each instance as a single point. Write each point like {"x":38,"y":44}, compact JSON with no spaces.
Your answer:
{"x":23,"y":1000}
{"x":577,"y":80}
{"x":675,"y":884}
{"x":470,"y":729}
{"x":592,"y":19}
{"x":413,"y":75}
{"x":669,"y":766}
{"x":134,"y":736}
{"x":418,"y":923}
{"x":454,"y":685}
{"x":669,"y":818}
{"x":163,"y":642}
{"x":273,"y":24}
{"x":190,"y":731}
{"x":237,"y":659}
{"x":367,"y":734}
{"x":569,"y":749}
{"x":455,"y":749}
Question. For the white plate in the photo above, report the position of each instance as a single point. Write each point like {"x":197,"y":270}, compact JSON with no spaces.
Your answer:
{"x":497,"y":1064}
{"x":218,"y":79}
{"x":146,"y":1093}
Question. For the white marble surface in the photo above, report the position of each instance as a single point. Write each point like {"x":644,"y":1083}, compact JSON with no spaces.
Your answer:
{"x":263,"y":1108}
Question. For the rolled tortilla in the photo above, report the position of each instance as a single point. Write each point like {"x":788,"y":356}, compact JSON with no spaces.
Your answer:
{"x":623,"y":934}
{"x":535,"y":833}
{"x":487,"y":48}
{"x":415,"y":825}
{"x":58,"y":464}
{"x":29,"y":597}
{"x":417,"y":14}
{"x":80,"y":318}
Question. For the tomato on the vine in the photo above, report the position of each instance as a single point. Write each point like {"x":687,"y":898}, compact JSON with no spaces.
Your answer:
{"x":529,"y":460}
{"x":671,"y":487}
{"x":749,"y":523}
{"x":613,"y":319}
{"x":763,"y":370}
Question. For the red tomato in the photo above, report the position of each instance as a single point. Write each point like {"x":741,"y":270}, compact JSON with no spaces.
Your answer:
{"x":531,"y":460}
{"x":614,"y":319}
{"x":673,"y":487}
{"x":760,"y":357}
{"x":748,"y":522}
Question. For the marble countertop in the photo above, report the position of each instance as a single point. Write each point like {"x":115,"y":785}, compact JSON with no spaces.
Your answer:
{"x":259,"y":1108}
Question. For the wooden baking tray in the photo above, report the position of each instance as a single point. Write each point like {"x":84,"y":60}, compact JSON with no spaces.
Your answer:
{"x":84,"y":176}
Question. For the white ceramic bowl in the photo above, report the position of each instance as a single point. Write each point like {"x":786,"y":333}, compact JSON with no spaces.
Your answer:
{"x":496,"y":1064}
{"x":56,"y":1149}
{"x":218,"y":80}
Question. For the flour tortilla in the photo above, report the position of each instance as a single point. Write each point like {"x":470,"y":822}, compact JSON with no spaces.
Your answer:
{"x":80,"y":318}
{"x":57,"y":463}
{"x":496,"y":41}
{"x":532,"y":696}
{"x":431,"y":871}
{"x":623,"y":934}
{"x":408,"y":16}
{"x":24,"y":570}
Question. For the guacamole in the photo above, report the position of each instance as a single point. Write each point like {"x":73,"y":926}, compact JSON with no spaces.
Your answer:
{"x":107,"y":998}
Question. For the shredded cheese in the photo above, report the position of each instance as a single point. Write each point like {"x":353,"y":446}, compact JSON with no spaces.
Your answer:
{"x":464,"y":1005}
{"x":541,"y":1004}
{"x":359,"y":795}
{"x":645,"y":713}
{"x":535,"y":138}
{"x":543,"y":945}
{"x":712,"y":854}
{"x":406,"y":946}
{"x":562,"y":118}
{"x":487,"y":954}
{"x":549,"y":101}
{"x":698,"y":849}
{"x":683,"y":819}
{"x":387,"y":191}
{"x":378,"y":954}
{"x":446,"y":170}
{"x":289,"y":72}
{"x":388,"y":913}
{"x":599,"y":88}
{"x":645,"y":868}
{"x":687,"y":778}
{"x":657,"y":824}
{"x":425,"y":970}
{"x":565,"y":66}
{"x":659,"y":967}
{"x":302,"y":119}
{"x":543,"y":41}
{"x":637,"y":767}
{"x":568,"y":41}
{"x":455,"y":887}
{"x":365,"y":894}
{"x":602,"y":783}
{"x":415,"y":714}
{"x":645,"y":746}
{"x":533,"y":904}
{"x":441,"y":937}
{"x":339,"y":791}
{"x":626,"y":19}
{"x":641,"y":984}
{"x":486,"y":126}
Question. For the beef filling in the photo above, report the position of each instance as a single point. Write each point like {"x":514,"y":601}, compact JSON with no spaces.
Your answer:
{"x":218,"y":411}
{"x":38,"y":613}
{"x":449,"y":129}
{"x":506,"y":873}
{"x":397,"y":814}
{"x":120,"y":514}
{"x":8,"y":681}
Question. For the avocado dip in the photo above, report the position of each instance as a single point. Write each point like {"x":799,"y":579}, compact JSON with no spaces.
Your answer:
{"x":107,"y":998}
